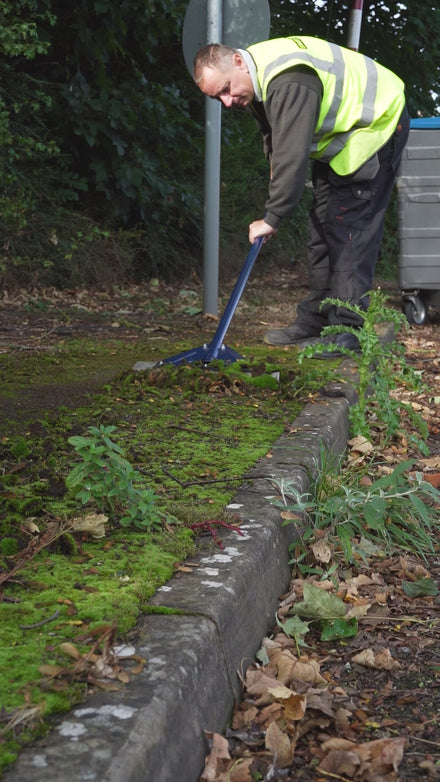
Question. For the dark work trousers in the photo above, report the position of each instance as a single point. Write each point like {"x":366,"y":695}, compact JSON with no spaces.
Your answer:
{"x":345,"y":230}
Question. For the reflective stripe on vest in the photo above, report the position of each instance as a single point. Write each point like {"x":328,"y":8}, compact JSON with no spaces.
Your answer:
{"x":358,"y":93}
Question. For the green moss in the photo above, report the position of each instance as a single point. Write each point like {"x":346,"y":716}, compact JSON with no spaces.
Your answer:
{"x":8,"y":547}
{"x":164,"y":611}
{"x":192,"y":434}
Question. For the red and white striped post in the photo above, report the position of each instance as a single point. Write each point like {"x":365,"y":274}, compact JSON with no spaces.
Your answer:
{"x":354,"y":25}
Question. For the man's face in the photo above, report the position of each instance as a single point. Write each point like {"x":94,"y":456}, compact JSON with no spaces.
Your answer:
{"x":233,"y":86}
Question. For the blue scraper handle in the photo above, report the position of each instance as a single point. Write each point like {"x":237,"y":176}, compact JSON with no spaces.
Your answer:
{"x":217,"y":341}
{"x":216,"y":348}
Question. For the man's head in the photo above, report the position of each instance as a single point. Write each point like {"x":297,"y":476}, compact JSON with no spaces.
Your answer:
{"x":221,"y":72}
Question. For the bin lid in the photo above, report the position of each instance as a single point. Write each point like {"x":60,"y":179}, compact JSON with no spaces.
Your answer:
{"x":425,"y":122}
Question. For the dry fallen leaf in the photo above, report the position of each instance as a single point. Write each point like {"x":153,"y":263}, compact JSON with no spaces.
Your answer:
{"x":217,"y":760}
{"x":280,"y":745}
{"x":340,"y":763}
{"x":259,"y":687}
{"x":431,"y":462}
{"x":368,"y":761}
{"x":359,"y":610}
{"x":286,"y":667}
{"x":294,"y":705}
{"x":30,"y":526}
{"x":71,"y":650}
{"x":243,"y":718}
{"x":93,"y":524}
{"x":381,"y":660}
{"x":322,"y":551}
{"x":360,"y":444}
{"x":240,"y":771}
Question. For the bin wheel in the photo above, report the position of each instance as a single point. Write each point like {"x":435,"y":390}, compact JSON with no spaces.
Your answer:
{"x":415,"y":310}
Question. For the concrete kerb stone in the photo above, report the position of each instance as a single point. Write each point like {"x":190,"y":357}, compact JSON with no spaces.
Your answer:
{"x":153,"y":727}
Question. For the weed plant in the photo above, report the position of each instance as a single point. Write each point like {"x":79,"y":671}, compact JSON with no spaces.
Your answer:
{"x":379,"y":365}
{"x":107,"y":479}
{"x":391,"y":512}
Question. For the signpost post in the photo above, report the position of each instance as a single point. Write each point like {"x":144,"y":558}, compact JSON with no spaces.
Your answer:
{"x":354,"y":25}
{"x":237,"y":23}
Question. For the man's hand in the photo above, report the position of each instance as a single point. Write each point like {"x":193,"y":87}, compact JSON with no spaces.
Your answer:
{"x":260,"y":228}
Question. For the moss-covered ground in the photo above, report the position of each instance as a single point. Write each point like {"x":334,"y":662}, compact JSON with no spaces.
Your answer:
{"x":192,"y":434}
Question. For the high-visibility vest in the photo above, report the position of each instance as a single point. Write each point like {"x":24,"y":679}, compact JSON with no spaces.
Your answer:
{"x":361,"y":102}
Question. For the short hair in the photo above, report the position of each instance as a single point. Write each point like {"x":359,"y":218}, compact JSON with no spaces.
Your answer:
{"x":214,"y":55}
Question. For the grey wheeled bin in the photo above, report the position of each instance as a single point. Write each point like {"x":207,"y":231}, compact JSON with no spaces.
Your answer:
{"x":419,"y":219}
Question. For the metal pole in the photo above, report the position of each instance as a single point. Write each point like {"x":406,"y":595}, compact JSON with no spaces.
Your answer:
{"x":212,"y":175}
{"x":354,"y":25}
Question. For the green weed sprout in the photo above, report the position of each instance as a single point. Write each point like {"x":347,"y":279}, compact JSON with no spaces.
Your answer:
{"x":378,"y":367}
{"x":106,"y":478}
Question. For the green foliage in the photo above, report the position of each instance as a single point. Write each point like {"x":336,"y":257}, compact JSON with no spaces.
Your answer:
{"x":98,"y":113}
{"x":421,"y":587}
{"x":319,"y":604}
{"x":328,"y":609}
{"x":65,"y":248}
{"x":378,"y":366}
{"x":106,"y":478}
{"x":92,"y":103}
{"x":404,"y":37}
{"x":392,"y":512}
{"x":295,"y":628}
{"x":27,"y":148}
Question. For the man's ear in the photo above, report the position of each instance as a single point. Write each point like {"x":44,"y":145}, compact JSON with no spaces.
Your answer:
{"x":238,"y":62}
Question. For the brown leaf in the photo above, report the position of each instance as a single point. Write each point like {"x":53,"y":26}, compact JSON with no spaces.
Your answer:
{"x":360,"y":444}
{"x":279,"y":744}
{"x":268,"y":714}
{"x":240,"y":772}
{"x":338,"y":743}
{"x":243,"y":719}
{"x":380,"y":756}
{"x":340,"y":763}
{"x":30,"y":526}
{"x":321,"y":701}
{"x":50,"y":670}
{"x":102,"y":685}
{"x":71,"y":650}
{"x":218,"y":759}
{"x":431,"y":462}
{"x":294,"y":705}
{"x":141,"y":661}
{"x":307,"y":671}
{"x":359,"y":610}
{"x":103,"y":670}
{"x":289,"y":515}
{"x":322,"y":551}
{"x":381,"y":660}
{"x":93,"y":524}
{"x":260,"y":688}
{"x":341,"y":719}
{"x":433,"y":478}
{"x":374,"y":757}
{"x":287,"y":668}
